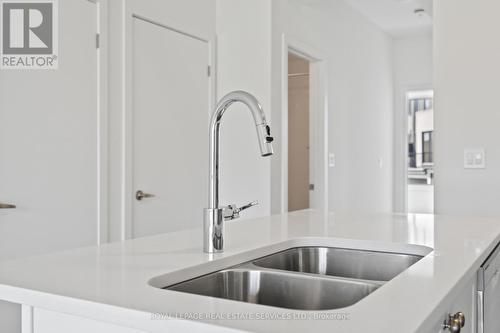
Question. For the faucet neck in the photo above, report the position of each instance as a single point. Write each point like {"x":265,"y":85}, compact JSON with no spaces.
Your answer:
{"x":214,"y":158}
{"x":263,"y":134}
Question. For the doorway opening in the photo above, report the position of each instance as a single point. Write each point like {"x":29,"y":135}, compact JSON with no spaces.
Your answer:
{"x":299,"y":185}
{"x":420,"y":168}
{"x":310,"y":140}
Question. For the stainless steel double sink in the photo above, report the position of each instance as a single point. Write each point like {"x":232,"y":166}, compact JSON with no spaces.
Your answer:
{"x":303,"y":278}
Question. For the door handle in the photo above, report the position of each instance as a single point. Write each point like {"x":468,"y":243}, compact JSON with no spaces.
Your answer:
{"x":7,"y":206}
{"x":139,"y":195}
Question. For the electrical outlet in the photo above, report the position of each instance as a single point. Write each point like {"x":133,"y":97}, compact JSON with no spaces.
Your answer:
{"x":474,"y":158}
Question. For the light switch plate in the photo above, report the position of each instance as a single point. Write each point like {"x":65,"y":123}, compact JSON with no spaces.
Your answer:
{"x":331,"y":160}
{"x":474,"y":158}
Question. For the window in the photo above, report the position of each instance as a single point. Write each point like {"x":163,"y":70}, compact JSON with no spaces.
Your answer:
{"x":420,"y":168}
{"x":420,"y":127}
{"x":427,"y":147}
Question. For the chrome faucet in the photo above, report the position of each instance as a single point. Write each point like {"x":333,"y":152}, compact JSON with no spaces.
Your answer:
{"x":214,"y":215}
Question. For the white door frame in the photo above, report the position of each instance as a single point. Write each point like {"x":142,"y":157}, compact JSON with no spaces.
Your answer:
{"x":102,"y":218}
{"x":102,"y":121}
{"x":127,"y":198}
{"x":318,"y":113}
{"x":401,"y":149}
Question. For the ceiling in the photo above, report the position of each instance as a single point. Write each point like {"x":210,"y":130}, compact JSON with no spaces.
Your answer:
{"x":396,"y":17}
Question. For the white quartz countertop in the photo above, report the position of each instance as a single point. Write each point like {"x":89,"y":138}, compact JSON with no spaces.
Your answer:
{"x":110,"y":283}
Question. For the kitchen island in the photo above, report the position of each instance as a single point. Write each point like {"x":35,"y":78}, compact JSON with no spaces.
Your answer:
{"x":109,"y":288}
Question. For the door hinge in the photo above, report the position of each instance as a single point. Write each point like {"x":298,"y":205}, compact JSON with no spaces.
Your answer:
{"x":97,"y":41}
{"x":311,"y":187}
{"x":209,"y":71}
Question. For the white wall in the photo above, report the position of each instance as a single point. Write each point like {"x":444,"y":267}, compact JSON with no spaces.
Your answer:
{"x":244,"y":63}
{"x":420,"y":199}
{"x":413,"y":70}
{"x":413,"y":61}
{"x":360,"y":95}
{"x":467,"y":83}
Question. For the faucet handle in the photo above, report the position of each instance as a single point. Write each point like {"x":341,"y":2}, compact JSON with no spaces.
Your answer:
{"x":251,"y":204}
{"x":232,"y":212}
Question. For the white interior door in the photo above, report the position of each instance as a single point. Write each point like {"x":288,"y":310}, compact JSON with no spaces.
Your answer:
{"x":48,"y":148}
{"x":170,"y":126}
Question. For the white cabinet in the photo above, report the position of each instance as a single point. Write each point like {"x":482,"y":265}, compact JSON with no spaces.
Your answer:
{"x":463,"y":300}
{"x":488,"y":302}
{"x":37,"y":320}
{"x":45,"y":321}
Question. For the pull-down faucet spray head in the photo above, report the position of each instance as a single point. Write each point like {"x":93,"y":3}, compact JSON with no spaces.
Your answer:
{"x":265,"y":139}
{"x":263,"y":129}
